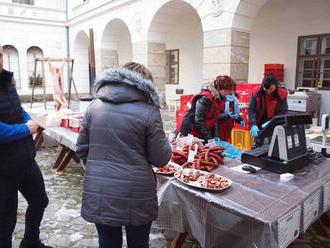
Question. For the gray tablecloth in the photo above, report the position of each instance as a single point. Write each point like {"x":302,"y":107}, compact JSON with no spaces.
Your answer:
{"x":63,"y":136}
{"x":244,"y":215}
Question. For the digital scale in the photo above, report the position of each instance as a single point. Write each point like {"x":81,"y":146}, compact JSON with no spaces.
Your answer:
{"x":287,"y":150}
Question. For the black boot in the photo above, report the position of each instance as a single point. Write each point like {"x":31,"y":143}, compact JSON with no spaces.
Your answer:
{"x":38,"y":244}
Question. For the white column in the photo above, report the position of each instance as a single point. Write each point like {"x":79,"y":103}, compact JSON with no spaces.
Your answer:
{"x":226,"y":51}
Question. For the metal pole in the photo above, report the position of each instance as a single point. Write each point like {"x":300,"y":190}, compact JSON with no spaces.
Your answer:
{"x":69,"y":76}
{"x":92,"y":73}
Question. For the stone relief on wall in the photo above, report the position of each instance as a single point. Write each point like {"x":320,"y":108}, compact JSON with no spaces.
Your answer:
{"x":216,"y":8}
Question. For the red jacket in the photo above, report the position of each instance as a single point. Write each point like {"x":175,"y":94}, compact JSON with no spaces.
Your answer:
{"x":225,"y":125}
{"x":188,"y":124}
{"x":264,"y":107}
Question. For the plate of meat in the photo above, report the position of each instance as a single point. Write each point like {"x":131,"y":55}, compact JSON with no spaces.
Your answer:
{"x":169,"y":169}
{"x":203,"y":180}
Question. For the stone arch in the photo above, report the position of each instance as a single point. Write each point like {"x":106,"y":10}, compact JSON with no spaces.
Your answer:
{"x":157,"y":5}
{"x":80,"y":54}
{"x":11,"y":62}
{"x":33,"y":53}
{"x":245,"y":12}
{"x":175,"y":35}
{"x":116,"y":44}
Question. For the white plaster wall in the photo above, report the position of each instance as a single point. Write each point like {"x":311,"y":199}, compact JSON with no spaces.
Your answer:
{"x":274,"y":35}
{"x":52,"y":4}
{"x":50,"y":39}
{"x":80,"y":54}
{"x":43,"y":10}
{"x":186,"y":35}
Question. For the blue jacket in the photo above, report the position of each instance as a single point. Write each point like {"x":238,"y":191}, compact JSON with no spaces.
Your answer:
{"x":13,"y":132}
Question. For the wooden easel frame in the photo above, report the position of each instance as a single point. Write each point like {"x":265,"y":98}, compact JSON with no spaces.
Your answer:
{"x":70,"y":63}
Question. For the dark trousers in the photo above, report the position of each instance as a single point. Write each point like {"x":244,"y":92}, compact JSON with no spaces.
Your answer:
{"x":112,"y":237}
{"x":29,"y":181}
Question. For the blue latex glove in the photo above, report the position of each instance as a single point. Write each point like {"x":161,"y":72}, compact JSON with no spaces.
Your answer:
{"x":254,"y":131}
{"x":242,"y":124}
{"x":265,"y":124}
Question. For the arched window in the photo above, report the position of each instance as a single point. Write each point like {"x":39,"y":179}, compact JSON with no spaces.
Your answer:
{"x":33,"y":53}
{"x":11,"y":62}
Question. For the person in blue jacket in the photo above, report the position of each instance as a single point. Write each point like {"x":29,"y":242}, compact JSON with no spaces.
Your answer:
{"x":18,"y":168}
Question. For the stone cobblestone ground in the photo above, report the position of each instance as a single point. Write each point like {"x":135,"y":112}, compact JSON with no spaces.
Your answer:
{"x":62,"y":225}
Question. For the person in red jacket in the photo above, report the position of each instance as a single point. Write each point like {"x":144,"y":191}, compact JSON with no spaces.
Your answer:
{"x":267,"y":101}
{"x":202,"y":112}
{"x":229,"y":108}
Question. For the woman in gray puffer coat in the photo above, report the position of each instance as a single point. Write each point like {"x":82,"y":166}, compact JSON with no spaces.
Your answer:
{"x":122,"y":135}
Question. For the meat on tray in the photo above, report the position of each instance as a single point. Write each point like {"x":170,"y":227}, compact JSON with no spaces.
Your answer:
{"x":189,"y":177}
{"x":206,"y":158}
{"x":166,"y":169}
{"x":204,"y":180}
{"x":211,"y":181}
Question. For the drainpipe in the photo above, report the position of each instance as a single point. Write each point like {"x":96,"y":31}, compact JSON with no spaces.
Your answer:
{"x":68,"y":48}
{"x":92,"y":71}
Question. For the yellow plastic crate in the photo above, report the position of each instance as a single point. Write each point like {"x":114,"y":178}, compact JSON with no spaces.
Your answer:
{"x":242,"y":139}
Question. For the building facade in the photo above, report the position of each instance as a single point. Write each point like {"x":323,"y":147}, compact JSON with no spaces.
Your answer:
{"x":185,"y":43}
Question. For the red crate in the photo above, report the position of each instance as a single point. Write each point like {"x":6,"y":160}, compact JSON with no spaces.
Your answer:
{"x":244,"y":92}
{"x":238,"y":126}
{"x":280,"y":73}
{"x":184,"y":99}
{"x":276,"y":69}
{"x":244,"y":97}
{"x":274,"y":66}
{"x":75,"y":122}
{"x":246,"y":87}
{"x":72,"y":121}
{"x":65,"y":122}
{"x":178,"y":114}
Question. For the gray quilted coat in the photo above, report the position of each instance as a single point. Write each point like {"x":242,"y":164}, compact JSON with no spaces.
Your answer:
{"x":122,"y":135}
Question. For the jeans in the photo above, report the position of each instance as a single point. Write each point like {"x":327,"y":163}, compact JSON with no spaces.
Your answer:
{"x":29,"y":181}
{"x":112,"y":237}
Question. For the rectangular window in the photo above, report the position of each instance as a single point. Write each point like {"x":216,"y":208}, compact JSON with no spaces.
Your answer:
{"x":313,"y":61}
{"x":29,"y":2}
{"x":172,"y":66}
